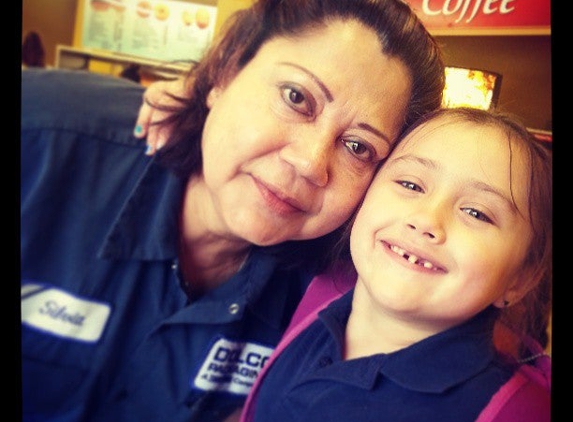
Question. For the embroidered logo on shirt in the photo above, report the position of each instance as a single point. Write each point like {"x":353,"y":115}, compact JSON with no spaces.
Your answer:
{"x":231,"y":366}
{"x":60,"y":313}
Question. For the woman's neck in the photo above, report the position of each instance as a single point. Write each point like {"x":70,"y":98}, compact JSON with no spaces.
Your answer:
{"x":206,"y":265}
{"x":207,"y":254}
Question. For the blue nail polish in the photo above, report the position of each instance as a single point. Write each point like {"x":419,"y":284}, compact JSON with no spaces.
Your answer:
{"x":138,"y":130}
{"x":148,"y":150}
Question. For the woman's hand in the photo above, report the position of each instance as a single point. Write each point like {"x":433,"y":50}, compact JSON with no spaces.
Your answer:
{"x":147,"y":121}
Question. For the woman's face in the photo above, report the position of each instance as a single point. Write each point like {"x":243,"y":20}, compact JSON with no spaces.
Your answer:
{"x":292,"y":142}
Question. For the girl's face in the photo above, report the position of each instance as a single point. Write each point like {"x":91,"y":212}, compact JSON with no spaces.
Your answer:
{"x":438,"y":237}
{"x":292,"y":142}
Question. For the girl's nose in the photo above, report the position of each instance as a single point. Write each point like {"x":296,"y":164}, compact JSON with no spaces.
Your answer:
{"x":427,"y":222}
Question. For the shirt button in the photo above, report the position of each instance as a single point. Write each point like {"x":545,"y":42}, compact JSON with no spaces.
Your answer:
{"x":234,"y":308}
{"x":324,"y":361}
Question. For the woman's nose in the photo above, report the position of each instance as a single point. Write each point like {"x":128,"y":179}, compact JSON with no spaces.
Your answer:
{"x":311,"y":156}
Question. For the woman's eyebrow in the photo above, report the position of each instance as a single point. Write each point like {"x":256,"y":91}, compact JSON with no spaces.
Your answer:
{"x":330,"y":98}
{"x":311,"y":75}
{"x":375,"y":131}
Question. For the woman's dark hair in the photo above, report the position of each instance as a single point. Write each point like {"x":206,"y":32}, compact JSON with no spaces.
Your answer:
{"x":33,"y":53}
{"x":401,"y":35}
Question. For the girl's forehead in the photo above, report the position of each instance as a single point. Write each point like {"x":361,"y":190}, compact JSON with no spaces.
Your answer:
{"x":437,"y":128}
{"x":474,"y":149}
{"x":445,"y":129}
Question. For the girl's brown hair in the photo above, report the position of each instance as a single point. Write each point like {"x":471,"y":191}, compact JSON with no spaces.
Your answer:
{"x":529,"y":318}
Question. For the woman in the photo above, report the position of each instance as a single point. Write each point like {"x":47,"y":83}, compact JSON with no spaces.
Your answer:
{"x":153,"y":296}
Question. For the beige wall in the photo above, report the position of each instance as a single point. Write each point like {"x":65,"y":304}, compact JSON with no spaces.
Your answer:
{"x":53,"y":20}
{"x":524,"y":61}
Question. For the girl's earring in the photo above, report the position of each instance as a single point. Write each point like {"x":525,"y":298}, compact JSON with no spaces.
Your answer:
{"x":505,"y":303}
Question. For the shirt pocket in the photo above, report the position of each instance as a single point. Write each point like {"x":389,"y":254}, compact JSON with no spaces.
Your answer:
{"x":60,"y":336}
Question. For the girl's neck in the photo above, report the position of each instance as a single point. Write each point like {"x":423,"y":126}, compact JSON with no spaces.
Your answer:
{"x":371,"y":331}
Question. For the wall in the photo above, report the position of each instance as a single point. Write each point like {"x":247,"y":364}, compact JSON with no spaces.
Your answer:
{"x":53,"y":20}
{"x":524,"y":61}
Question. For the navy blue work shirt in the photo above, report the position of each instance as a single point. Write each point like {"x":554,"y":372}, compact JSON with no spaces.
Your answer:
{"x":449,"y":377}
{"x":108,"y":334}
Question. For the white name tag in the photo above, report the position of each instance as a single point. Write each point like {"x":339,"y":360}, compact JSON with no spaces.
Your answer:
{"x":59,"y":313}
{"x":231,"y":366}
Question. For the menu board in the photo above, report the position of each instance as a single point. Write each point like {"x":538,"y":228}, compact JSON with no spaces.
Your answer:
{"x":165,"y":30}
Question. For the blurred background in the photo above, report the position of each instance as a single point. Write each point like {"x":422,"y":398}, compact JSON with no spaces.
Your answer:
{"x":515,"y":48}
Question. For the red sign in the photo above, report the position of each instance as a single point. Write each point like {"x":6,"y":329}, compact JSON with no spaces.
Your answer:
{"x":483,"y":14}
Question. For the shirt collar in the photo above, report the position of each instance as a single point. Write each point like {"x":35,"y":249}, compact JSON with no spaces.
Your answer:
{"x":432,"y":365}
{"x":146,"y":228}
{"x":269,"y":300}
{"x":239,"y":291}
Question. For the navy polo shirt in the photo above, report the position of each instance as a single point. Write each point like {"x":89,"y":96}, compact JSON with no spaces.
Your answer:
{"x":449,"y":377}
{"x":107,"y":332}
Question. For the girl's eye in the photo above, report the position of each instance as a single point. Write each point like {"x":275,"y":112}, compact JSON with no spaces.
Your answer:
{"x":477,"y":215}
{"x":297,"y":100}
{"x":361,"y":151}
{"x":410,"y":185}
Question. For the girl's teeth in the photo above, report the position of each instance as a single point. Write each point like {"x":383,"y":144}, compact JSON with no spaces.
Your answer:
{"x":411,"y":258}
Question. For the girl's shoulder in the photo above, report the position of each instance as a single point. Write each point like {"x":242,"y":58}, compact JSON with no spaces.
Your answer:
{"x":526,"y":396}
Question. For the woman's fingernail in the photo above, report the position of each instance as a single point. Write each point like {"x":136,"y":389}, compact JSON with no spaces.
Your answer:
{"x":138,"y":130}
{"x":149,"y":150}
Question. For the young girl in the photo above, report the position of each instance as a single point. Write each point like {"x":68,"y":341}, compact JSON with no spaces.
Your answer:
{"x":453,"y":236}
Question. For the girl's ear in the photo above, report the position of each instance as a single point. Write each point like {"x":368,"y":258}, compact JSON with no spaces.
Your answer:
{"x":519,"y":286}
{"x":213,"y":95}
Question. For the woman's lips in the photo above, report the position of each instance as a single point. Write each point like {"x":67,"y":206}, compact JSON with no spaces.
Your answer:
{"x":277,"y":201}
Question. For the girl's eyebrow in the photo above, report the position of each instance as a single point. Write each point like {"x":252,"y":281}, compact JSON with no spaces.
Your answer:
{"x":315,"y":78}
{"x":415,"y":159}
{"x":473,"y":183}
{"x":491,"y":189}
{"x":330,"y":98}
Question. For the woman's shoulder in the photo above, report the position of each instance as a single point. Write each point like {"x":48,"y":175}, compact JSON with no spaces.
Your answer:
{"x":78,"y":100}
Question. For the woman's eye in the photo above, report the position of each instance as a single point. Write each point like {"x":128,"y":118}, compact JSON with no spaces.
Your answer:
{"x":358,"y":149}
{"x":410,"y":186}
{"x":294,"y":96}
{"x":297,"y":100}
{"x":477,"y":215}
